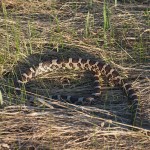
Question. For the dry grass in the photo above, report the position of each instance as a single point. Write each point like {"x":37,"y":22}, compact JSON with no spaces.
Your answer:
{"x":32,"y":31}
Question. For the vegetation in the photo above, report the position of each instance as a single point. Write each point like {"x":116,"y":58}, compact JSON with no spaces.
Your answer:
{"x":35,"y":30}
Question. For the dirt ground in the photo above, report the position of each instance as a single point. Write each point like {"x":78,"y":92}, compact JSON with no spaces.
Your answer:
{"x":36,"y":30}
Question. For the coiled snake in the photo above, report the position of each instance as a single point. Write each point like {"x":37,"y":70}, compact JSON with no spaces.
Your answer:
{"x":97,"y":68}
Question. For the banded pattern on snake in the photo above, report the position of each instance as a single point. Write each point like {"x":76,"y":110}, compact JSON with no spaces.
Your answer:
{"x":97,"y":68}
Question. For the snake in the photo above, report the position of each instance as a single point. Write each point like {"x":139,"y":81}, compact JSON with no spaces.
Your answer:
{"x":97,"y":68}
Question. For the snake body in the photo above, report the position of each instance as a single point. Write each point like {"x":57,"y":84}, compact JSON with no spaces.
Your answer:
{"x":96,"y":67}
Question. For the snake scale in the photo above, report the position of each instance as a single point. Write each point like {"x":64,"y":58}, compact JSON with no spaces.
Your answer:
{"x":97,"y":68}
